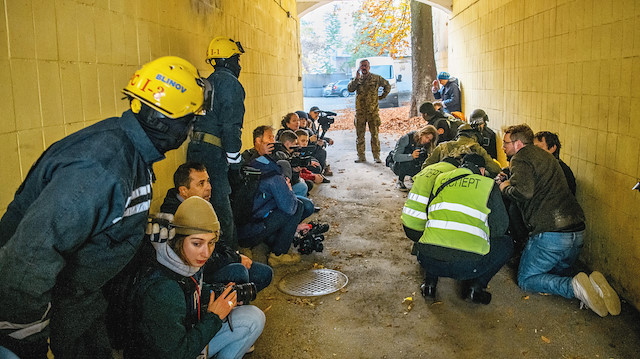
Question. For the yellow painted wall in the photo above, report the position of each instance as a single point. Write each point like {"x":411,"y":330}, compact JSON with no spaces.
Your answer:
{"x":572,"y":67}
{"x":64,"y":62}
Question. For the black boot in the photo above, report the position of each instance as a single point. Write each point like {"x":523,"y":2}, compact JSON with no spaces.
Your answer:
{"x":428,"y":288}
{"x":476,"y":294}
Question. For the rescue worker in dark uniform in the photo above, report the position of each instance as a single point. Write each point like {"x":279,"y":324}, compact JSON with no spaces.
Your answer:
{"x":216,"y":141}
{"x":80,"y":216}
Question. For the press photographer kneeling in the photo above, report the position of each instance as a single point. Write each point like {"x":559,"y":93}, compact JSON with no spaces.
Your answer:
{"x":410,"y":152}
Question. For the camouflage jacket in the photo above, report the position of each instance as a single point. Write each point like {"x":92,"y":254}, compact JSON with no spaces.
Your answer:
{"x":457,"y":149}
{"x":366,"y":89}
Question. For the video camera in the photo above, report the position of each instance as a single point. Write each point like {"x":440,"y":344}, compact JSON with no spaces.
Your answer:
{"x":325,"y":120}
{"x":312,"y":240}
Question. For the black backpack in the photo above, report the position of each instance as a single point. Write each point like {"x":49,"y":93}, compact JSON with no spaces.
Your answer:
{"x":243,"y":191}
{"x":119,"y":292}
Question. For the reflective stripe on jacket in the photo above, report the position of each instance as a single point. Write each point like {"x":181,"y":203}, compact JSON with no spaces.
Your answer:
{"x":414,"y":213}
{"x":458,"y":216}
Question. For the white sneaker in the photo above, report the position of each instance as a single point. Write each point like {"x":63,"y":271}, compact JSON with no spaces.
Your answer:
{"x":608,"y":294}
{"x":584,"y":290}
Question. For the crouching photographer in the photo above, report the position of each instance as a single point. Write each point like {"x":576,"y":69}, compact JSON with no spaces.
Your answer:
{"x":299,"y":158}
{"x":321,"y":121}
{"x":410,"y":152}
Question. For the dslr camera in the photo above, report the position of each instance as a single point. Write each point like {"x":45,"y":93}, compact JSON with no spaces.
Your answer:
{"x":246,"y":292}
{"x":300,"y":157}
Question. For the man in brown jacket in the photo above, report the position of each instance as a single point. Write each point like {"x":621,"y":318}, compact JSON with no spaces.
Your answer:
{"x":556,"y":226}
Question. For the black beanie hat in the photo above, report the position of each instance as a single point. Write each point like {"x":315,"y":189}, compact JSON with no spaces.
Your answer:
{"x":428,"y":108}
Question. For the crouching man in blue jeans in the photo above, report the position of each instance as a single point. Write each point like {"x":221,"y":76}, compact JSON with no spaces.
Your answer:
{"x":556,"y":224}
{"x":277,"y":211}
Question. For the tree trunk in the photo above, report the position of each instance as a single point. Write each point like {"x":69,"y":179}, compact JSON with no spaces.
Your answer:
{"x":423,"y":63}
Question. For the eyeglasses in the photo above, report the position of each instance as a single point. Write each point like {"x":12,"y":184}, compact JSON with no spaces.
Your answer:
{"x":507,"y":142}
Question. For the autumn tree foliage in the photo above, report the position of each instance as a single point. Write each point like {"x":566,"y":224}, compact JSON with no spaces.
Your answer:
{"x":388,"y":26}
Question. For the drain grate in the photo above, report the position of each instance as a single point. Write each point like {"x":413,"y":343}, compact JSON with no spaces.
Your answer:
{"x":313,"y":282}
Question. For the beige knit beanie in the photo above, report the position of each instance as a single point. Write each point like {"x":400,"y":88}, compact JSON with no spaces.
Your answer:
{"x":196,"y":215}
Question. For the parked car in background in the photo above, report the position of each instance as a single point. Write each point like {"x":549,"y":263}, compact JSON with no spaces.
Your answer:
{"x":338,"y":88}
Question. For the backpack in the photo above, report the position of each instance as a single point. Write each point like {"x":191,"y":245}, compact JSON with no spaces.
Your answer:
{"x":119,"y":292}
{"x":243,"y":191}
{"x":389,"y":162}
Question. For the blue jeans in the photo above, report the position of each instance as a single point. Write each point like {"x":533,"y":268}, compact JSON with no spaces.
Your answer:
{"x":280,"y":229}
{"x":479,"y":271}
{"x":545,"y":258}
{"x":7,"y":354}
{"x":248,"y":323}
{"x":260,"y":274}
{"x":309,"y":207}
{"x":300,"y":189}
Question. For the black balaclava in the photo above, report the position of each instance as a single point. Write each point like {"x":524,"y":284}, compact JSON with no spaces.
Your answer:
{"x":232,"y":63}
{"x":165,"y":133}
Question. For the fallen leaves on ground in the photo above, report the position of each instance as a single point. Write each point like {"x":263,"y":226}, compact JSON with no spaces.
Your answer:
{"x":318,"y":266}
{"x":545,"y":339}
{"x":392,"y":120}
{"x":302,"y":302}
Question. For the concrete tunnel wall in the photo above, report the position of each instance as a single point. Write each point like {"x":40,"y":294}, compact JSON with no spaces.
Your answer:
{"x":64,"y":62}
{"x":571,"y":67}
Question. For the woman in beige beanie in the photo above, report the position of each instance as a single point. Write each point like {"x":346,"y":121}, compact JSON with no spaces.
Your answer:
{"x":178,"y":314}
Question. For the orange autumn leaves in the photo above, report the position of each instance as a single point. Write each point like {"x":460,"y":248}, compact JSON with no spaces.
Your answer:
{"x":388,"y":28}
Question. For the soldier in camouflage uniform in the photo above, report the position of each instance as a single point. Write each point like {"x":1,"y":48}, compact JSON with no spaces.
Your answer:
{"x":466,"y":143}
{"x":366,"y":86}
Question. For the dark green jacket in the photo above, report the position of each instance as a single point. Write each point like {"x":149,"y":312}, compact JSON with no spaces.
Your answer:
{"x":540,"y":189}
{"x":166,"y":328}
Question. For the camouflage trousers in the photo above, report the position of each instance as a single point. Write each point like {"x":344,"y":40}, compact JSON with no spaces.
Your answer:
{"x":361,"y":128}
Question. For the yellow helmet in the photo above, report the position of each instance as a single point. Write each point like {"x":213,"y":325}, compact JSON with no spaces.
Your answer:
{"x":223,"y":48}
{"x":170,"y":85}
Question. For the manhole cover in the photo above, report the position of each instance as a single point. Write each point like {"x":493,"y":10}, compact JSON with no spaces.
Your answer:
{"x":313,"y":282}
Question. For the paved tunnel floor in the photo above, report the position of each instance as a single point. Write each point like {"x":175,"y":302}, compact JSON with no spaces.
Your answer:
{"x":369,"y":320}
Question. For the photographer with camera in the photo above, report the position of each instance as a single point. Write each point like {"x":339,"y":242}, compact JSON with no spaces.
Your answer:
{"x":313,"y":166}
{"x":276,"y":210}
{"x":319,"y":140}
{"x":410,"y":152}
{"x":174,"y":313}
{"x":225,"y":264}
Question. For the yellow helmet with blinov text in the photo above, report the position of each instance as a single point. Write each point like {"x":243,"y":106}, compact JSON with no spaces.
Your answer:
{"x":170,"y":85}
